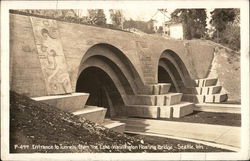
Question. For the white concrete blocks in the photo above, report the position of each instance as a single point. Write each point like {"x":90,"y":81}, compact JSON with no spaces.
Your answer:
{"x":75,"y":103}
{"x":92,"y":113}
{"x":155,"y":89}
{"x":69,"y":102}
{"x":219,"y":108}
{"x":166,"y":111}
{"x":178,"y":110}
{"x":156,"y":100}
{"x":206,"y":82}
{"x":173,"y":98}
{"x":220,"y":97}
{"x":160,"y":88}
{"x":207,"y":90}
{"x":116,"y":126}
{"x":182,"y":109}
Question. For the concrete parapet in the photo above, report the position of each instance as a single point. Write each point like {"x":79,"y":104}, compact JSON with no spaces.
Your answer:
{"x":166,"y":111}
{"x":156,"y":100}
{"x":116,"y":126}
{"x":208,"y":90}
{"x":221,"y":108}
{"x":69,"y":102}
{"x":216,"y":98}
{"x":220,"y":97}
{"x":182,"y":109}
{"x":206,"y":82}
{"x":155,"y":89}
{"x":92,"y":113}
{"x":179,"y":110}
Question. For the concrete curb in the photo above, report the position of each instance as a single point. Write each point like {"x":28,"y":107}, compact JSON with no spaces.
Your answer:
{"x":220,"y":108}
{"x":187,"y":139}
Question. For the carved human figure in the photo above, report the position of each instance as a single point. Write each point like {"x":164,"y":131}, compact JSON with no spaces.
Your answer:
{"x":56,"y":75}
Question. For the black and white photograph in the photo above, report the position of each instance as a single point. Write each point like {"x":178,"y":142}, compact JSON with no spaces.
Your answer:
{"x":125,"y":80}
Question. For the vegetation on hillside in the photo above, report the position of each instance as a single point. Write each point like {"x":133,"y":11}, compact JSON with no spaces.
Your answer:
{"x":226,"y":23}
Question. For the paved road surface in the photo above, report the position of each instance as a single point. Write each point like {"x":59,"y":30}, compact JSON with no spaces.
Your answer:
{"x":226,"y":135}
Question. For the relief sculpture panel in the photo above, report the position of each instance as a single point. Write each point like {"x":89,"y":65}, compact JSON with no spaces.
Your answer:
{"x":51,"y":56}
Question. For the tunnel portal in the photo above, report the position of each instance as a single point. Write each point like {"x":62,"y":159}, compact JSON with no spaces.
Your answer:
{"x":102,"y":90}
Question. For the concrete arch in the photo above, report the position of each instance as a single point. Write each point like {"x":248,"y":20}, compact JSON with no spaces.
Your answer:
{"x":119,"y":60}
{"x":111,"y":70}
{"x":171,"y":75}
{"x":110,"y":89}
{"x":175,"y":67}
{"x":107,"y":68}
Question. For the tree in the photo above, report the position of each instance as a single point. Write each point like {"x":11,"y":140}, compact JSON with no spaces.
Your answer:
{"x":220,"y":18}
{"x":228,"y":33}
{"x":193,"y":21}
{"x":96,"y":17}
{"x":116,"y":17}
{"x":199,"y":24}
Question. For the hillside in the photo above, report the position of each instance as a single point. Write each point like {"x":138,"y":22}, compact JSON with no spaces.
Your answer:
{"x":37,"y":127}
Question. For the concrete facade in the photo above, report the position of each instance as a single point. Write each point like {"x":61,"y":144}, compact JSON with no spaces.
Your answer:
{"x":131,"y":61}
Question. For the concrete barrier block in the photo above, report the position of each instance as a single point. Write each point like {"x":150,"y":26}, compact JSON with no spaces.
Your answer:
{"x":160,"y":88}
{"x":196,"y":82}
{"x":164,"y":88}
{"x":218,"y":107}
{"x":166,"y":112}
{"x":206,"y":82}
{"x":211,"y":81}
{"x":204,"y":90}
{"x":220,"y":97}
{"x":92,"y":113}
{"x":182,"y":109}
{"x":198,"y":90}
{"x":215,"y":89}
{"x":159,"y":100}
{"x":69,"y":102}
{"x":209,"y":98}
{"x":116,"y":126}
{"x":199,"y":82}
{"x":173,"y":98}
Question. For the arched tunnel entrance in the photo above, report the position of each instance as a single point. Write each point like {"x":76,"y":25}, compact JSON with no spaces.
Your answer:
{"x":164,"y":77}
{"x":109,"y":77}
{"x":102,"y":90}
{"x":171,"y":69}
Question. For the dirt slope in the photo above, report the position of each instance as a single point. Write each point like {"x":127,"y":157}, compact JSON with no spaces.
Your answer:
{"x":37,"y":127}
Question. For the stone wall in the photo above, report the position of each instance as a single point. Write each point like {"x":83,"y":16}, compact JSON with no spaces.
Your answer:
{"x":25,"y":69}
{"x":143,"y":51}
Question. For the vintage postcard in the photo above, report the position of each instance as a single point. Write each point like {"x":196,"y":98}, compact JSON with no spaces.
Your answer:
{"x":125,"y":80}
